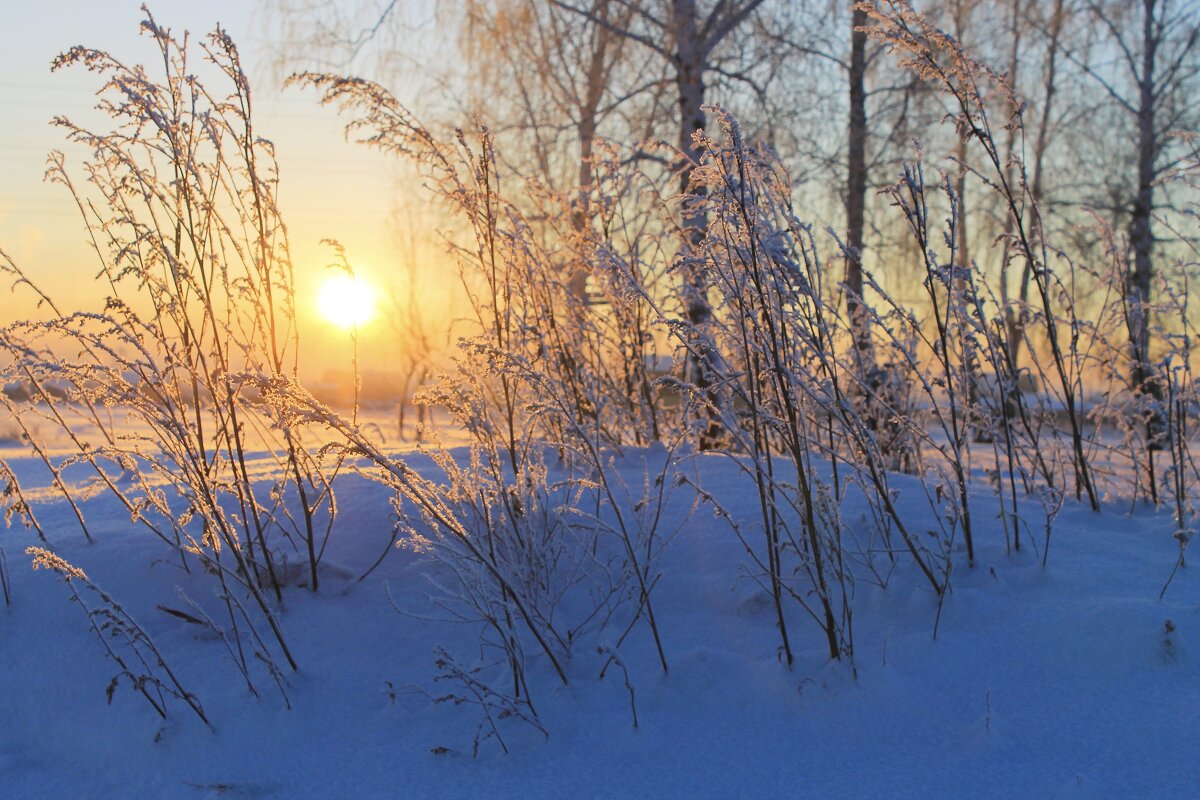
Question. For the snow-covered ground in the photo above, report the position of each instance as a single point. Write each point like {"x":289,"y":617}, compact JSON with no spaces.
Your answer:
{"x":1073,"y":680}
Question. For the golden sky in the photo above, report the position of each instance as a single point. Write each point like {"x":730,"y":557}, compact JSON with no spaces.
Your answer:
{"x":329,"y":189}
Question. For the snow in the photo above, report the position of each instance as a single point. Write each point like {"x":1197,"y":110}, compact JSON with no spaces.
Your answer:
{"x":1072,"y":680}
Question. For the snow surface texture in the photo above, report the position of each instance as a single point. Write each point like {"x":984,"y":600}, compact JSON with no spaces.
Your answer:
{"x":1069,"y":681}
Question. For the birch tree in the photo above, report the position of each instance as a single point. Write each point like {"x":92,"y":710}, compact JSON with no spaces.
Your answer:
{"x":1151,"y":76}
{"x":856,"y":180}
{"x":1029,"y":18}
{"x":686,"y":35}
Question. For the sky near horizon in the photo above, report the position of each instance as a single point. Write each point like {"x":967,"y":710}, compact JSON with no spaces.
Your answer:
{"x":330,"y":188}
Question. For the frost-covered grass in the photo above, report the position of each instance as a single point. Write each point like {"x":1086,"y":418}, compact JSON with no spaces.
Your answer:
{"x":1072,"y":680}
{"x":811,"y":554}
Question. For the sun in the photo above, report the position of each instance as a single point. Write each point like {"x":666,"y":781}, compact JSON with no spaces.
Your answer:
{"x":346,"y":301}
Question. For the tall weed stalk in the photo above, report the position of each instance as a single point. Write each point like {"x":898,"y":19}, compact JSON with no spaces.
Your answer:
{"x":179,"y":200}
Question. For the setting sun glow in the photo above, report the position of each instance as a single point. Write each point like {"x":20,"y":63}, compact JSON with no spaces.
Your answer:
{"x":346,"y":301}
